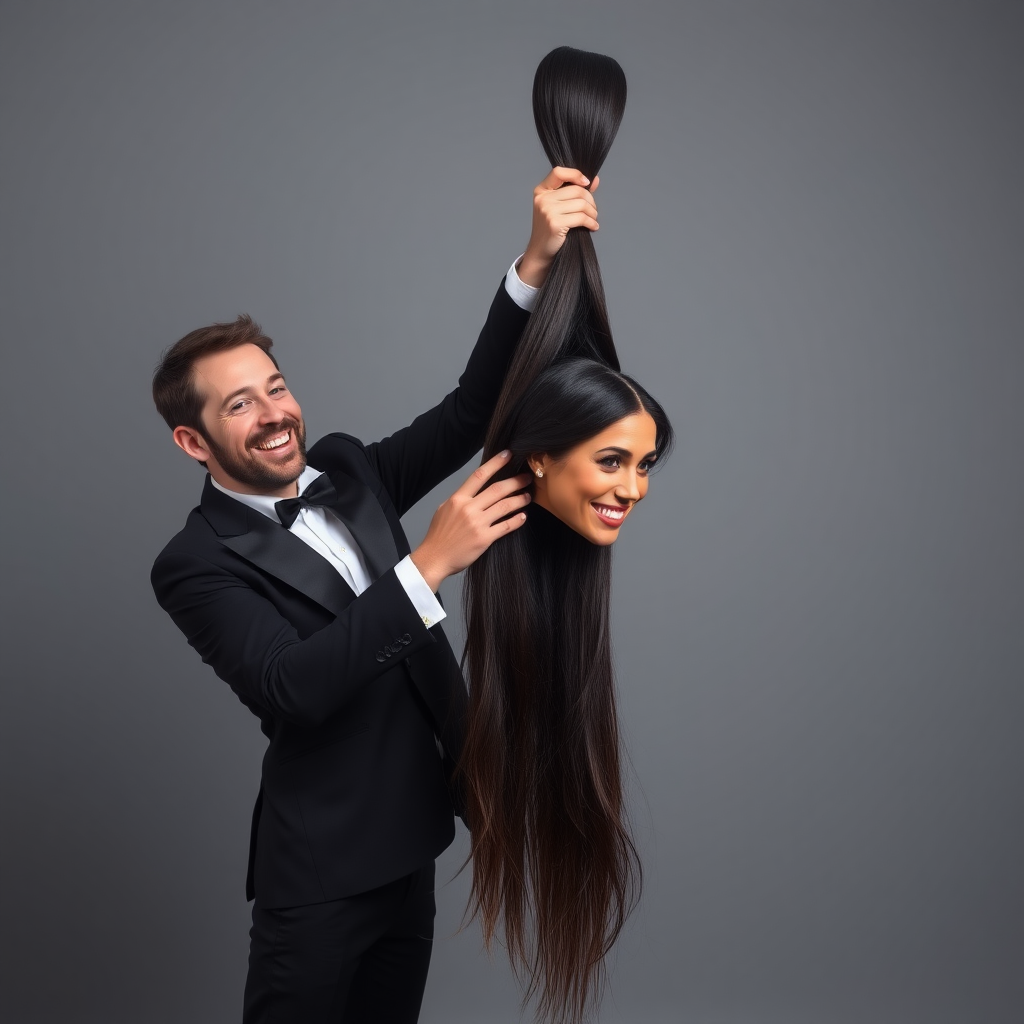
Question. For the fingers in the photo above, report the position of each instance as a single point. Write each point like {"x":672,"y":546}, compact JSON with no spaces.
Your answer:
{"x":570,"y":215}
{"x":567,"y":200}
{"x":571,"y":199}
{"x":479,"y":477}
{"x":556,"y":217}
{"x":579,"y":220}
{"x":502,"y":489}
{"x":559,"y":176}
{"x":506,"y":506}
{"x":508,"y":525}
{"x":573,"y":195}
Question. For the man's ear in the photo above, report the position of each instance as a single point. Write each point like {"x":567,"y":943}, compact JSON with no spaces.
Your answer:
{"x":191,"y":442}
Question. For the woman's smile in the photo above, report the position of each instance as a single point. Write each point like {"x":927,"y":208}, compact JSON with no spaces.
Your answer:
{"x":611,"y":515}
{"x":594,"y":486}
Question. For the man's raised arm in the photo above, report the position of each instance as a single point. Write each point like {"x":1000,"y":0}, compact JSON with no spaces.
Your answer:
{"x":416,"y":458}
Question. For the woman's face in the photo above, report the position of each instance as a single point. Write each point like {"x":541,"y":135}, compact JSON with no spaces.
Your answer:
{"x":593,"y":488}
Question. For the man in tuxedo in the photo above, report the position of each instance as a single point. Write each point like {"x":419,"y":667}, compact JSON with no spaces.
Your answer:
{"x":294,"y":581}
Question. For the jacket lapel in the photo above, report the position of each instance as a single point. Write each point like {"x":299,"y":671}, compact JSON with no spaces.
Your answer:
{"x":275,"y":550}
{"x":361,"y":512}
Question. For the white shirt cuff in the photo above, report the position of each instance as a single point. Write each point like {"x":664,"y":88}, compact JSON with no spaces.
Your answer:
{"x":523,"y":295}
{"x":427,"y":606}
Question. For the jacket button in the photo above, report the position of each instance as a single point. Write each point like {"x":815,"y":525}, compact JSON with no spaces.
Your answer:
{"x":380,"y":656}
{"x":406,"y":639}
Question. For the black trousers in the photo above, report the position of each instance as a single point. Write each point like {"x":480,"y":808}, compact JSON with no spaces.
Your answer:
{"x":358,"y":960}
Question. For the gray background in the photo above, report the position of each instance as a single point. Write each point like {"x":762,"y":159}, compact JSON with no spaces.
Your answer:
{"x":812,"y":241}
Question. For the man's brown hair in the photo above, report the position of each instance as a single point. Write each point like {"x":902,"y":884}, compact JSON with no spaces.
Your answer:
{"x":177,"y":398}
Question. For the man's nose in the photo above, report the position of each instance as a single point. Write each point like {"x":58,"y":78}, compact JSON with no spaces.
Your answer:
{"x":268,"y":412}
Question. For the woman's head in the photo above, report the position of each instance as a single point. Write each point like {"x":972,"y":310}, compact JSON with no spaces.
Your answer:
{"x":591,"y":436}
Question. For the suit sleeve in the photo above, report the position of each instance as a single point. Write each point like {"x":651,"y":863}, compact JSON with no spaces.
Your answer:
{"x":261,"y":656}
{"x":416,"y":458}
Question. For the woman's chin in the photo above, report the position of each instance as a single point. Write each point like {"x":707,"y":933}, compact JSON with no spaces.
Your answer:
{"x":600,"y":536}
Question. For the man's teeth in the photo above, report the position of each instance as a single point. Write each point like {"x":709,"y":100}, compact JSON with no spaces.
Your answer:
{"x":611,"y":513}
{"x":276,"y":442}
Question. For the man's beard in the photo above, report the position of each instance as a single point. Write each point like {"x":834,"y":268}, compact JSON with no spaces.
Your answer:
{"x":251,"y":470}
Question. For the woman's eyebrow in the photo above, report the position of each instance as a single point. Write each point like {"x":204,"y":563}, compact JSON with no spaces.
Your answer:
{"x":626,"y":453}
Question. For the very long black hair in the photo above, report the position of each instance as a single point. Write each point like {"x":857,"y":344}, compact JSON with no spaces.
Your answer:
{"x":554,"y":867}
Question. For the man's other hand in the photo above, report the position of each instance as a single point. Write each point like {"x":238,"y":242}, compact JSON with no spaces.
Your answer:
{"x":470,"y":521}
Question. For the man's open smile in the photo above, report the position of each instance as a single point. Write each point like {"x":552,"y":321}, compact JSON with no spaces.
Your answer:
{"x":277,"y":441}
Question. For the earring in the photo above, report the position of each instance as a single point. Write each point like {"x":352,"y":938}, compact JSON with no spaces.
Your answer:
{"x":539,"y":472}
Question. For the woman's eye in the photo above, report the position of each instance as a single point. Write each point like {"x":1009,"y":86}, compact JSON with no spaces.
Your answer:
{"x":611,"y":461}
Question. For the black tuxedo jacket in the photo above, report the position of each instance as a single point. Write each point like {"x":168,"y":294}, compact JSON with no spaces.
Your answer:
{"x":356,"y":695}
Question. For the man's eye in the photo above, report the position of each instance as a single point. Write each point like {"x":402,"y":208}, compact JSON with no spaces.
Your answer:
{"x":237,"y":406}
{"x":281,"y":387}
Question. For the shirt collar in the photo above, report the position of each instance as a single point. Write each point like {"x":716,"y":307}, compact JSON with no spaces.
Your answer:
{"x":265,"y":502}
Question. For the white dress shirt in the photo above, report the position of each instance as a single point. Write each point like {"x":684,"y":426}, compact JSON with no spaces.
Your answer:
{"x":522,"y":294}
{"x":328,"y":536}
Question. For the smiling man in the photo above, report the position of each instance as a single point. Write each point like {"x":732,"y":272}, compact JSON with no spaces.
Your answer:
{"x":253,"y":434}
{"x":294,"y":581}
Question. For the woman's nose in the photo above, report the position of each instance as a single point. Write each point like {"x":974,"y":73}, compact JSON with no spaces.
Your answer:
{"x":628,"y":488}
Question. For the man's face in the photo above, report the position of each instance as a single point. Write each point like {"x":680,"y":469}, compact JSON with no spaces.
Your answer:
{"x":252,"y":438}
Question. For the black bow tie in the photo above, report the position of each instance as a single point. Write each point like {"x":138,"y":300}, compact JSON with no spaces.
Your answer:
{"x":320,"y":492}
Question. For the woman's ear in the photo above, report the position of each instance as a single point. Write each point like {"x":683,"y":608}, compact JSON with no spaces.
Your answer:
{"x":537,"y":464}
